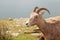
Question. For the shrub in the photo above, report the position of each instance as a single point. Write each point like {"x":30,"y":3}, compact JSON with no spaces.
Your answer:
{"x":3,"y":33}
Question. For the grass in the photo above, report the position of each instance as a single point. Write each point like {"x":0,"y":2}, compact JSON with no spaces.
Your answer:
{"x":26,"y":37}
{"x":16,"y":26}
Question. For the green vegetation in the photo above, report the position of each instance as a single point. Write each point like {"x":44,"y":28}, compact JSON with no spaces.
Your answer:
{"x":26,"y":37}
{"x":13,"y":29}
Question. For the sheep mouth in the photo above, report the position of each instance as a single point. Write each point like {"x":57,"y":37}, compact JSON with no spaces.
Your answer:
{"x":29,"y":25}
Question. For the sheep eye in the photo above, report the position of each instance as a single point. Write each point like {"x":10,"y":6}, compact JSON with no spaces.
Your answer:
{"x":36,"y":17}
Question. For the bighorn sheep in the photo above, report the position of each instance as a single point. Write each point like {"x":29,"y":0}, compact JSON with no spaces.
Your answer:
{"x":49,"y":27}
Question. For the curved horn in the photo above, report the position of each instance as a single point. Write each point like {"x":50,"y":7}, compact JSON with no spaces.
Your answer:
{"x":43,"y":9}
{"x":35,"y":9}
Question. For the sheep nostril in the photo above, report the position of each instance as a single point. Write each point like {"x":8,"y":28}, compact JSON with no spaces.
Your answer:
{"x":26,"y":23}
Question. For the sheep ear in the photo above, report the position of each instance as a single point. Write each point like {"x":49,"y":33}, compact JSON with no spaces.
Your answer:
{"x":35,"y":9}
{"x":42,"y":10}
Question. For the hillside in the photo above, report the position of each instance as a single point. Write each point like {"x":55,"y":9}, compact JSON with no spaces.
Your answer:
{"x":16,"y":30}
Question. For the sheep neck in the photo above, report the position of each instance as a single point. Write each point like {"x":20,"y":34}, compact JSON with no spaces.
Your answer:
{"x":42,"y":26}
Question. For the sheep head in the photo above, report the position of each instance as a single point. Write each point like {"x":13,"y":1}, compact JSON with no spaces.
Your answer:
{"x":36,"y":16}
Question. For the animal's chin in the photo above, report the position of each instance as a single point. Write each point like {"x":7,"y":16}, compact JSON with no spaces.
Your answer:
{"x":29,"y":25}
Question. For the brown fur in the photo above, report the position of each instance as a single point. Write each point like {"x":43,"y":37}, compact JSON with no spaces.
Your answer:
{"x":49,"y":27}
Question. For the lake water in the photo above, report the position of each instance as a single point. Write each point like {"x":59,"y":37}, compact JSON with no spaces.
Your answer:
{"x":23,"y":8}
